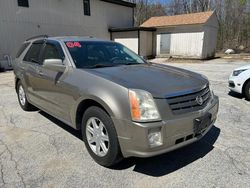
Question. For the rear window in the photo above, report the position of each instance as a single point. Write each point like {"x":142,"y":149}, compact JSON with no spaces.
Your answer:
{"x":33,"y":53}
{"x":23,"y":47}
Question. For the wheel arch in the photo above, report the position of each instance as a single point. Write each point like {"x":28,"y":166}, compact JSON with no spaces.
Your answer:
{"x":16,"y":82}
{"x":84,"y":104}
{"x":244,"y":85}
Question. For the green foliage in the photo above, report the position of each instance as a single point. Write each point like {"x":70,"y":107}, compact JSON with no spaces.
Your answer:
{"x":243,"y":2}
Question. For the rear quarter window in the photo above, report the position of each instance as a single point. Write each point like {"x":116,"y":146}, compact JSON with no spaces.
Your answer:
{"x":22,"y":48}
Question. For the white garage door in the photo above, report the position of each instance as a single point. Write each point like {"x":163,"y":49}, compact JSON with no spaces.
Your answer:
{"x":131,"y":43}
{"x":187,"y":44}
{"x":180,"y":44}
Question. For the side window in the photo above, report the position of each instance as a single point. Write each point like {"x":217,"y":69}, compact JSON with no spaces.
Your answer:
{"x":86,"y":7}
{"x":21,"y":50}
{"x":33,"y":53}
{"x":51,"y":52}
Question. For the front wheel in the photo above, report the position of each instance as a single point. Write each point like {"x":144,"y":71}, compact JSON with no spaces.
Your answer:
{"x":247,"y":91}
{"x":100,"y":137}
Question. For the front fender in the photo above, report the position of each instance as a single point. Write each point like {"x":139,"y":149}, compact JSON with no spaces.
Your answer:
{"x":112,"y":97}
{"x":96,"y":99}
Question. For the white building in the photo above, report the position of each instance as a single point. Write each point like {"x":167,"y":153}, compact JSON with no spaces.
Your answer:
{"x":21,"y":19}
{"x":138,"y":39}
{"x":187,"y":35}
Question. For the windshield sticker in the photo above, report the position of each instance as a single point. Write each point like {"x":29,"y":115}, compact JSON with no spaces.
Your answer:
{"x":73,"y":44}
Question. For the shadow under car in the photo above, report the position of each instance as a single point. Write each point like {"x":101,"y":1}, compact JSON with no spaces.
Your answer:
{"x":159,"y":165}
{"x":235,"y":95}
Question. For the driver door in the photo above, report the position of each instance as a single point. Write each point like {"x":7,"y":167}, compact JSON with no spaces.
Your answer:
{"x":52,"y":89}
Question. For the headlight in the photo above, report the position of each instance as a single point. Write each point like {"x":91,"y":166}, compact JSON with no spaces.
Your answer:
{"x":237,"y":72}
{"x":142,"y":106}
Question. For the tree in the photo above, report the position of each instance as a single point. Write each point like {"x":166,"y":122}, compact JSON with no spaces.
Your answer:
{"x":146,"y":9}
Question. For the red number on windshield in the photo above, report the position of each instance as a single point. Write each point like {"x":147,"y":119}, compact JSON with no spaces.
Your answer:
{"x":73,"y":44}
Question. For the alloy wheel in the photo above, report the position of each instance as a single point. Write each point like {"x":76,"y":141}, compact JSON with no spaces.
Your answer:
{"x":22,"y":96}
{"x":97,"y":136}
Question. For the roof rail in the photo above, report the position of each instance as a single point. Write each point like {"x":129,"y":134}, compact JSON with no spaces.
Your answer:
{"x":38,"y":36}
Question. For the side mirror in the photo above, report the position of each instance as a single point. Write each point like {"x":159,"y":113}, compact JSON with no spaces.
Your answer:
{"x":54,"y":65}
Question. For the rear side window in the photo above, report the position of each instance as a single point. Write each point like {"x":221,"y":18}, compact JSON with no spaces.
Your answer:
{"x":33,"y":53}
{"x":23,"y":47}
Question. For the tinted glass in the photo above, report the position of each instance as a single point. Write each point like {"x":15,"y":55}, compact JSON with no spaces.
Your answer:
{"x":51,"y":52}
{"x":90,"y":54}
{"x":23,"y":47}
{"x":33,"y":53}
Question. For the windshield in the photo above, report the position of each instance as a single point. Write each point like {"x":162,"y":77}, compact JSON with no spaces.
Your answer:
{"x":101,"y":54}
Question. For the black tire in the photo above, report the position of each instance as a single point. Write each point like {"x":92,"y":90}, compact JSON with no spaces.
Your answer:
{"x":247,"y":91}
{"x":26,"y":106}
{"x":113,"y":155}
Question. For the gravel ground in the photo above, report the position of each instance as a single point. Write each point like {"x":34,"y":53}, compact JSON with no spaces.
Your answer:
{"x":36,"y":150}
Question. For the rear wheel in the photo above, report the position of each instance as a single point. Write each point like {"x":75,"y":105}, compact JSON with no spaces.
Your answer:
{"x":22,"y":99}
{"x":100,"y":137}
{"x":247,"y":91}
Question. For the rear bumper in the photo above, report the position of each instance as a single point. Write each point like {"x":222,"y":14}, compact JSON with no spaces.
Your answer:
{"x":176,"y":133}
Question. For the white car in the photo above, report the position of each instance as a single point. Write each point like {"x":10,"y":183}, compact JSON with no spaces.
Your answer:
{"x":239,"y":81}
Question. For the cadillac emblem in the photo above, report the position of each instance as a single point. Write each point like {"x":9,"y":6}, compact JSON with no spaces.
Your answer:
{"x":199,"y":100}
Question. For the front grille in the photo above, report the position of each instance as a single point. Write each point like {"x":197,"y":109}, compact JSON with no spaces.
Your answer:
{"x":189,"y":102}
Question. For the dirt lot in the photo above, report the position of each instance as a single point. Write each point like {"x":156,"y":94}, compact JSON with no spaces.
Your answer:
{"x":36,"y":150}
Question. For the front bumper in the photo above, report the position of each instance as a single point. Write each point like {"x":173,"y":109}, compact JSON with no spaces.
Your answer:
{"x":176,"y":132}
{"x":234,"y":84}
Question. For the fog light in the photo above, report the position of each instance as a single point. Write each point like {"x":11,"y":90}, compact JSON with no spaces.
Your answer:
{"x":155,"y":138}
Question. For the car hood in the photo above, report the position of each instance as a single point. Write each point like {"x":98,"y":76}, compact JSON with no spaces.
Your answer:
{"x":243,"y":67}
{"x":161,"y":81}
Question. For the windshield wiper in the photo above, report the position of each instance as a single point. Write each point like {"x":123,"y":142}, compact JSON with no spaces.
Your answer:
{"x":128,"y":63}
{"x":132,"y":63}
{"x":99,"y":66}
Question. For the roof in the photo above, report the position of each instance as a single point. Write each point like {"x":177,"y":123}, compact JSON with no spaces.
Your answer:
{"x":132,"y":29}
{"x":79,"y":38}
{"x":121,"y":2}
{"x":66,"y":38}
{"x":183,"y":19}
